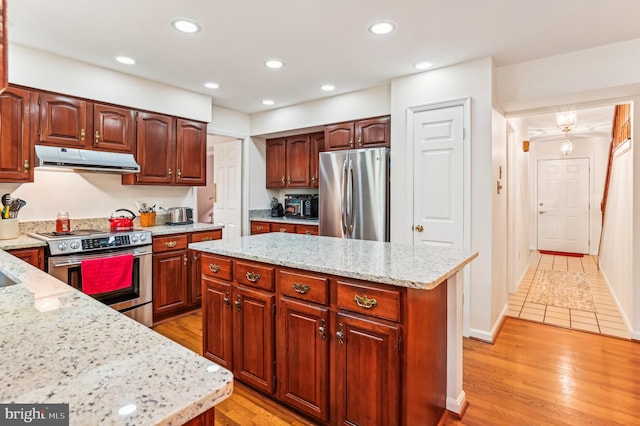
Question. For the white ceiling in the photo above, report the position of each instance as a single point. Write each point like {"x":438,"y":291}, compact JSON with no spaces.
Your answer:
{"x":320,"y":41}
{"x":590,"y":123}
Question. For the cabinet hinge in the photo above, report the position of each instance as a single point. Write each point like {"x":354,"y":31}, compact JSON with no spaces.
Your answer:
{"x":399,"y":344}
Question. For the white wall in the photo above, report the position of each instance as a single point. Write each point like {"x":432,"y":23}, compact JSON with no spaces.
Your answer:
{"x":41,"y":70}
{"x":617,"y":242}
{"x":518,"y":203}
{"x":597,"y":151}
{"x":472,"y":79}
{"x":499,"y":224}
{"x":229,"y":123}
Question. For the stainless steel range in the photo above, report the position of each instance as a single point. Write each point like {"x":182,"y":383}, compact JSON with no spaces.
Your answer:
{"x":66,"y":252}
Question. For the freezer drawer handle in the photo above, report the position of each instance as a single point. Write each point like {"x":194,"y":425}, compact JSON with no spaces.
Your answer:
{"x":252,"y":276}
{"x":365,"y":302}
{"x":301,"y":288}
{"x":214,"y":268}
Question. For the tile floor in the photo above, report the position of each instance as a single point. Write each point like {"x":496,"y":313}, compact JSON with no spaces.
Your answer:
{"x":606,"y":320}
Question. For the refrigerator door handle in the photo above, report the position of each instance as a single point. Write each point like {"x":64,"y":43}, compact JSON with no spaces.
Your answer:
{"x":350,"y":200}
{"x":344,"y":220}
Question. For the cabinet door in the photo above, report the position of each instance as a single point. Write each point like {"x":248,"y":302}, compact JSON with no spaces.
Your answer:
{"x":64,"y":121}
{"x":316,"y":146}
{"x":276,"y":151}
{"x":367,"y":372}
{"x":303,"y":357}
{"x":253,"y":341}
{"x":373,"y":132}
{"x":33,"y":256}
{"x":283,"y":227}
{"x":217,"y":314}
{"x":4,"y":68}
{"x":155,"y":148}
{"x":307,"y":229}
{"x":297,"y":162}
{"x":169,"y":283}
{"x":191,"y":152}
{"x":195,"y":285}
{"x":114,"y":128}
{"x":16,"y":159}
{"x":338,"y":136}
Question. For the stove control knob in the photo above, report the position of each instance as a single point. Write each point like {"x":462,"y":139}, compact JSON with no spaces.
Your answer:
{"x":75,"y":245}
{"x":143,"y":237}
{"x":134,"y":238}
{"x":62,"y":246}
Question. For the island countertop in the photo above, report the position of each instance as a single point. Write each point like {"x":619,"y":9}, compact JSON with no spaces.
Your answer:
{"x":61,"y":346}
{"x":419,"y":267}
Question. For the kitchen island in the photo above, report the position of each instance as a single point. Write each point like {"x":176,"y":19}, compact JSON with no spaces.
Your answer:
{"x":341,"y":330}
{"x":62,"y":346}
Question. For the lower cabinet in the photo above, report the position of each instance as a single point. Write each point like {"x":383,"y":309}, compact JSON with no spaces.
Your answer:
{"x":217,"y":309}
{"x":33,"y":256}
{"x":260,"y":227}
{"x":176,"y":273}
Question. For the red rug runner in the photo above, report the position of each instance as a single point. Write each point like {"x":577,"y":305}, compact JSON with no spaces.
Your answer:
{"x":561,"y":253}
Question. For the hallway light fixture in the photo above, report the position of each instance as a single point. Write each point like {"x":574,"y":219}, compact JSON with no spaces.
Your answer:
{"x":565,"y":122}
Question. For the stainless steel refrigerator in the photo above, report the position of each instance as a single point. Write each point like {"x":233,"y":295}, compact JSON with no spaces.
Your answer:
{"x":354,"y":194}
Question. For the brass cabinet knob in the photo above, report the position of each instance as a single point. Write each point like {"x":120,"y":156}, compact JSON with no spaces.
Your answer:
{"x":83,"y":133}
{"x":322,"y":329}
{"x":238,"y":302}
{"x":26,"y":165}
{"x":419,"y":228}
{"x":170,"y":172}
{"x":214,"y":268}
{"x":226,"y":299}
{"x":97,"y":136}
{"x":340,"y":334}
{"x":282,"y":180}
{"x":179,"y":173}
{"x":170,"y":244}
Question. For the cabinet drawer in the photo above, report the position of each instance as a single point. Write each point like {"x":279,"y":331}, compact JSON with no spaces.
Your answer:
{"x":170,"y":242}
{"x":304,"y":286}
{"x":283,"y":227}
{"x":259,"y":227}
{"x":373,"y":301}
{"x":198,"y":237}
{"x":216,"y":266}
{"x":254,"y":275}
{"x":307,"y":229}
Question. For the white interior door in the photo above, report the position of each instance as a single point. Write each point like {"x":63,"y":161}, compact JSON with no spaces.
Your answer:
{"x":563,"y":205}
{"x":227,"y":180}
{"x":439,"y":177}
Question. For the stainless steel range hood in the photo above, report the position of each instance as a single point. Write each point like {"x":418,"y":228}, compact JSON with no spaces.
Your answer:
{"x":85,"y":160}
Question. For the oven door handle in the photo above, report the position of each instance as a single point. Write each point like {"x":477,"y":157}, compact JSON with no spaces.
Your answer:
{"x":77,"y":260}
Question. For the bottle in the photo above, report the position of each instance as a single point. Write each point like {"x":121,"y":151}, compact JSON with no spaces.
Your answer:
{"x":63,"y":223}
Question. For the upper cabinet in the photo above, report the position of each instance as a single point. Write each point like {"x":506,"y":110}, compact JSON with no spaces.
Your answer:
{"x":114,"y":128}
{"x":290,"y":161}
{"x":63,"y":121}
{"x":16,"y":153}
{"x":369,"y":133}
{"x":4,"y":68}
{"x":170,"y":151}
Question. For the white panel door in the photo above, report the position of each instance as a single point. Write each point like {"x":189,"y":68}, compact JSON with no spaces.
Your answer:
{"x":438,"y":177}
{"x":227,"y":179}
{"x":563,"y":205}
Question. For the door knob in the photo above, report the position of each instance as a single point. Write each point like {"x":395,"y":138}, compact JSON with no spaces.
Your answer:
{"x":542,"y":211}
{"x":419,"y":228}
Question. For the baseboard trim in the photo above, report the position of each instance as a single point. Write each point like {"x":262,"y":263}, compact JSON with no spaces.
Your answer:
{"x":490,"y":336}
{"x":627,"y":323}
{"x":458,"y":405}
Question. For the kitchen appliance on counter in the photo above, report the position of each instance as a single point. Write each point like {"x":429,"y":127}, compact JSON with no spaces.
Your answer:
{"x":276,"y":208}
{"x":303,"y":206}
{"x":85,"y":160}
{"x":354,"y":194}
{"x":65,"y":253}
{"x":122,"y":223}
{"x":180,"y":216}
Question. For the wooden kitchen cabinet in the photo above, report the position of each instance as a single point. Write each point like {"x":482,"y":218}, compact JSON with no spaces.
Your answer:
{"x":64,"y":121}
{"x":307,"y":229}
{"x":368,"y":133}
{"x":170,"y":273}
{"x":170,"y":151}
{"x":283,"y":227}
{"x":16,"y":152}
{"x":114,"y":128}
{"x":316,"y":146}
{"x":276,"y":159}
{"x":195,"y":271}
{"x":297,"y":162}
{"x":258,"y":227}
{"x":290,"y":162}
{"x":303,"y":357}
{"x":4,"y":67}
{"x":33,"y":256}
{"x":217,"y":343}
{"x":367,"y":371}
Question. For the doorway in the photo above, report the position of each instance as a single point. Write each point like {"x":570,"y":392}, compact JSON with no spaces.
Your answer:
{"x":563,"y":193}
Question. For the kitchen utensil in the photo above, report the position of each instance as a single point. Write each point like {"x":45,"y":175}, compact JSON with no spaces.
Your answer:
{"x":180,"y":215}
{"x":122,"y":223}
{"x":6,"y":199}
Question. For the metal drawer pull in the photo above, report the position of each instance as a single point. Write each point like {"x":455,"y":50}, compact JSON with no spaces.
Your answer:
{"x":226,"y":299}
{"x":252,"y":276}
{"x":238,"y":302}
{"x":365,"y":302}
{"x":340,"y":334}
{"x":259,"y":228}
{"x":214,"y":268}
{"x":301,"y":288}
{"x":171,"y":244}
{"x":322,"y":329}
{"x":207,"y":239}
{"x":283,"y":229}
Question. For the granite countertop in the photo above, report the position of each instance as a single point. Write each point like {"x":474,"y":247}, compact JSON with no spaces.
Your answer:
{"x":23,"y":241}
{"x":179,"y":229}
{"x":62,"y":346}
{"x":403,"y":265}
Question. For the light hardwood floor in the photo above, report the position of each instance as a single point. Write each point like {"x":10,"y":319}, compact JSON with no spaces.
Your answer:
{"x":534,"y":374}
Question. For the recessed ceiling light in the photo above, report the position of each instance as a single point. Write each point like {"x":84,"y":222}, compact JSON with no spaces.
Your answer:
{"x":267,"y":102}
{"x":211,"y":85}
{"x":328,"y":87}
{"x":422,"y":65}
{"x":186,"y":26}
{"x":125,"y":60}
{"x":274,"y":63}
{"x":382,"y":27}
